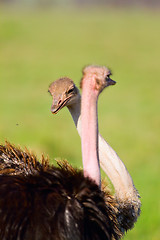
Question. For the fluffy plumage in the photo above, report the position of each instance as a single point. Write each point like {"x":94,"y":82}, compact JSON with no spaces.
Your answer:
{"x":41,"y":201}
{"x":15,"y":161}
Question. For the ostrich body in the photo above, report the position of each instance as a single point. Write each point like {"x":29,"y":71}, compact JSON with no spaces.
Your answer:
{"x":65,"y":93}
{"x":52,"y":203}
{"x":62,"y":203}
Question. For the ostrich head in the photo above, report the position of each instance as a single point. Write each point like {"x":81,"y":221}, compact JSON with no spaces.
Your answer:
{"x":100,"y":77}
{"x":64,"y":93}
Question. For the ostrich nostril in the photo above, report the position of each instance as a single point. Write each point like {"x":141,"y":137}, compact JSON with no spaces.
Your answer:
{"x":59,"y":102}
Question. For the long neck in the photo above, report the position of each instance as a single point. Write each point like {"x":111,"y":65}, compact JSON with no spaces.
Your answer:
{"x":89,"y":137}
{"x":109,"y":161}
{"x":75,"y":111}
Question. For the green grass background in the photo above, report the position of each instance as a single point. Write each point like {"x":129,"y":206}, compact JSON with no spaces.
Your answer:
{"x":37,"y":47}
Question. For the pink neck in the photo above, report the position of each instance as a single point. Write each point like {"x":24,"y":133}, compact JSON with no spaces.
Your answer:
{"x":90,"y":133}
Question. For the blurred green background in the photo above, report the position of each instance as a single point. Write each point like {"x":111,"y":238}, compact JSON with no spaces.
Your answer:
{"x":39,"y":45}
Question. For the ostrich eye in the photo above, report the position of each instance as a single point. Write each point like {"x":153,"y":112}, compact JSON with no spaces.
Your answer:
{"x":70,"y":90}
{"x":108,"y":76}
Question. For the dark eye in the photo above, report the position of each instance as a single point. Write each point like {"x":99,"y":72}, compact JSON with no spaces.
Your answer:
{"x":109,"y":74}
{"x":70,"y":90}
{"x":108,"y":77}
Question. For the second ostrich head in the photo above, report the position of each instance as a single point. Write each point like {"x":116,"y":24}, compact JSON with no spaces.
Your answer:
{"x":64,"y":93}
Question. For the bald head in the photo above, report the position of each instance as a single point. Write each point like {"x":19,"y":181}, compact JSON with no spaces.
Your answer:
{"x":100,"y":75}
{"x":64,"y":93}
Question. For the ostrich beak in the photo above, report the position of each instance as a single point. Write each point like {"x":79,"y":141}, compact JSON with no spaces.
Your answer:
{"x":59,"y":103}
{"x":110,"y":81}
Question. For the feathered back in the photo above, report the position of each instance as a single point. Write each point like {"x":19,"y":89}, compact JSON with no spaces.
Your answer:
{"x":15,"y":161}
{"x":52,"y":203}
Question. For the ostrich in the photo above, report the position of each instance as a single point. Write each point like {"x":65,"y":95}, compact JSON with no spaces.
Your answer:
{"x":65,"y":93}
{"x":59,"y":202}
